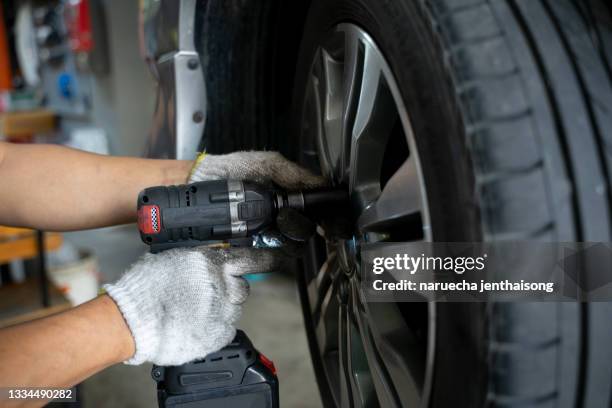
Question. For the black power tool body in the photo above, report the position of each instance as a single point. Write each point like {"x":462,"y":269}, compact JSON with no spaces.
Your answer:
{"x":189,"y":215}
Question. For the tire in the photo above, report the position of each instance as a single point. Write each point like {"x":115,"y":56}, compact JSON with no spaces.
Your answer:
{"x":511,"y":107}
{"x":248,"y":67}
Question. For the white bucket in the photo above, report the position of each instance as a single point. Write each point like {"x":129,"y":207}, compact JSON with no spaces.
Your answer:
{"x":78,"y":280}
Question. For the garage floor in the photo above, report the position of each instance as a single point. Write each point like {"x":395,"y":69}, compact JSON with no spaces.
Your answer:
{"x":272,"y":318}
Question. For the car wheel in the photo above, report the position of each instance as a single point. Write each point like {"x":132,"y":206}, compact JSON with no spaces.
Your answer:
{"x":456,"y":121}
{"x":352,"y":337}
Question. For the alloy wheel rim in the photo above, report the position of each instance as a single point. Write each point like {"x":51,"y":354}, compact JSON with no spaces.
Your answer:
{"x":356,"y":130}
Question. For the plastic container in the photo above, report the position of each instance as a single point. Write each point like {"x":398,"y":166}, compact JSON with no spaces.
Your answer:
{"x":78,"y":280}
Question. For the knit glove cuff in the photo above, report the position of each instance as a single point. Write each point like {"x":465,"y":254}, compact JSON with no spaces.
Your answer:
{"x":258,"y":166}
{"x":130,"y":296}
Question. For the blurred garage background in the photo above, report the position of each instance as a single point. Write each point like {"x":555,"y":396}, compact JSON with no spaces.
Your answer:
{"x":71,"y":72}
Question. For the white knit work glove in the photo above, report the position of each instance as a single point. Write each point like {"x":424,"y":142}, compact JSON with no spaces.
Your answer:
{"x":182,"y":304}
{"x":255,"y":166}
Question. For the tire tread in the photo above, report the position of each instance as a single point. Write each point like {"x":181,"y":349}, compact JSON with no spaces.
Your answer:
{"x":490,"y":98}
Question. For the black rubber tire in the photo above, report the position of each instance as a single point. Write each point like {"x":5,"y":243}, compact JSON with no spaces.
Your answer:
{"x":511,"y":104}
{"x":230,"y":39}
{"x":248,"y":51}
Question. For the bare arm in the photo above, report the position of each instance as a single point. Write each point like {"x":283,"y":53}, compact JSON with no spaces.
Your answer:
{"x":64,"y":349}
{"x":59,"y":189}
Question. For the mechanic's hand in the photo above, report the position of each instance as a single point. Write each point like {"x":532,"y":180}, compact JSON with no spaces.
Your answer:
{"x":182,"y":304}
{"x":259,"y":166}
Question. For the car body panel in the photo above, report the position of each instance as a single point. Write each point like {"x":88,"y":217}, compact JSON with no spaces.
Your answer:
{"x":168,"y":45}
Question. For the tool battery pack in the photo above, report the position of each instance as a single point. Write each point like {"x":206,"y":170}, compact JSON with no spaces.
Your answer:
{"x":236,"y":376}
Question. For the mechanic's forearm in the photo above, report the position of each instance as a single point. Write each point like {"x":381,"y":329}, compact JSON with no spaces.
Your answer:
{"x":64,"y":349}
{"x":58,"y":188}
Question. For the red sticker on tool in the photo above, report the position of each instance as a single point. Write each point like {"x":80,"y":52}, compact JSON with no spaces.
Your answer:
{"x":149,"y":219}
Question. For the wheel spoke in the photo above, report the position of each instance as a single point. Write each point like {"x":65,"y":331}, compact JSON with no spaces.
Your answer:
{"x":385,"y":393}
{"x":316,"y":124}
{"x":344,"y":361}
{"x":326,"y":321}
{"x":364,"y":393}
{"x":368,"y":118}
{"x":319,"y":285}
{"x":327,"y":87}
{"x":352,"y":76}
{"x":400,"y":200}
{"x":396,"y":350}
{"x":374,"y":120}
{"x":399,"y":348}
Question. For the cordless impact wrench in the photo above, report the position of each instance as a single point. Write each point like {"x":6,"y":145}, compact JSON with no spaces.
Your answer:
{"x":189,"y":215}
